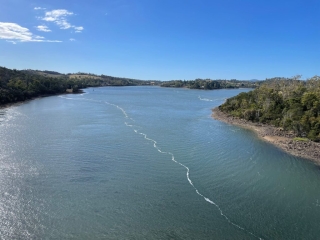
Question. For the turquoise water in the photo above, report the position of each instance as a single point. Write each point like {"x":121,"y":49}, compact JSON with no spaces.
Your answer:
{"x":147,"y":163}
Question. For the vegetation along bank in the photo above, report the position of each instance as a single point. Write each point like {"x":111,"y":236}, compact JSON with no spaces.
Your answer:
{"x":283,"y":111}
{"x":21,"y":85}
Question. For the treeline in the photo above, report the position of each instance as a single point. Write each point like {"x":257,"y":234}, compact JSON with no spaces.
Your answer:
{"x":208,"y":84}
{"x":20,"y":85}
{"x":291,"y":104}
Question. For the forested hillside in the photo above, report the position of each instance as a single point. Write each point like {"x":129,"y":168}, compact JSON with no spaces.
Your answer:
{"x":20,"y":85}
{"x":208,"y":84}
{"x":291,"y":104}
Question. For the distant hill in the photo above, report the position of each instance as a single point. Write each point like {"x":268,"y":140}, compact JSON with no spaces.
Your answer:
{"x":209,"y":84}
{"x":20,"y":85}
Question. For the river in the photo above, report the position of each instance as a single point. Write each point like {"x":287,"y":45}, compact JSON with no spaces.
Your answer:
{"x":147,"y":163}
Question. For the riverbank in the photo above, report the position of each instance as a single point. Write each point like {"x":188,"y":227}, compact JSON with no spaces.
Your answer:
{"x":276,"y":136}
{"x":10,"y":104}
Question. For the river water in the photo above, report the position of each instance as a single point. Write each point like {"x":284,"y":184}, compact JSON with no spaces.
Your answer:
{"x":147,"y":163}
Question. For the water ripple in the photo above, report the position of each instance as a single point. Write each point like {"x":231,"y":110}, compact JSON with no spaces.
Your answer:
{"x":187,"y":174}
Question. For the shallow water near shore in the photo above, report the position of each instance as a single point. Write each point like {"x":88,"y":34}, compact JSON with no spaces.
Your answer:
{"x":147,"y":163}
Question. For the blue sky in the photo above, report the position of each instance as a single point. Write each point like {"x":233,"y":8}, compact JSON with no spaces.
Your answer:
{"x":163,"y":39}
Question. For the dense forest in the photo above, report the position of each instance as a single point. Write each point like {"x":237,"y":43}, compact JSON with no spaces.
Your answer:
{"x":291,"y":104}
{"x":21,"y":85}
{"x":208,"y":84}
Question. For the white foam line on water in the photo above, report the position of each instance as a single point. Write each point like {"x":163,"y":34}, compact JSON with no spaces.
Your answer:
{"x":205,"y":99}
{"x":177,"y":162}
{"x":120,"y":108}
{"x":211,"y":100}
{"x":191,"y":183}
{"x":128,"y":125}
{"x":188,"y":173}
{"x":66,"y":98}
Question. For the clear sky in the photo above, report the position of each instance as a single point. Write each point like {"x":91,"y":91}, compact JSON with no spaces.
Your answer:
{"x":163,"y":39}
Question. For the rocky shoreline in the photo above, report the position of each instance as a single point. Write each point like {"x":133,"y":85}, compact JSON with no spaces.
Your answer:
{"x":281,"y":139}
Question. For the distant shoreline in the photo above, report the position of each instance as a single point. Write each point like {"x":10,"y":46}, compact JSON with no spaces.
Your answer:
{"x":276,"y":136}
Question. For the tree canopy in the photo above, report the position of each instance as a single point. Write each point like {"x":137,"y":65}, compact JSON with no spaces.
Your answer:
{"x":291,"y":104}
{"x":20,"y":85}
